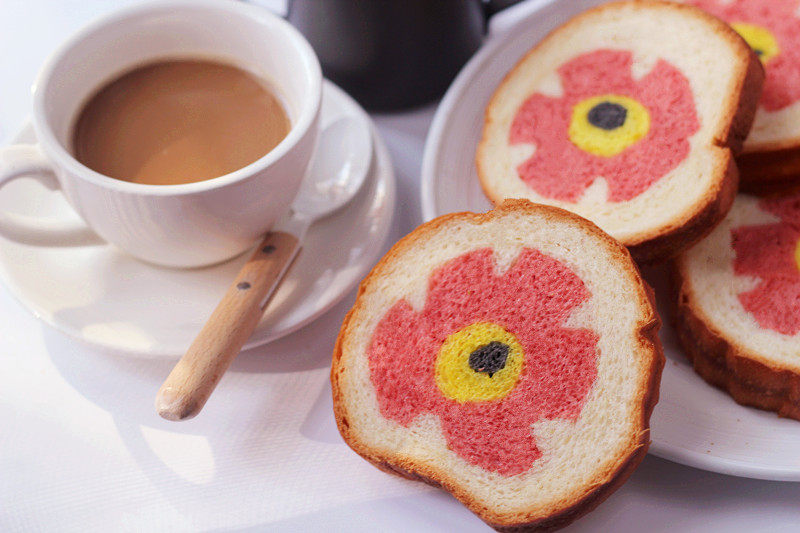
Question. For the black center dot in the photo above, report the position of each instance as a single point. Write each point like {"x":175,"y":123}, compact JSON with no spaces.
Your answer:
{"x":489,"y":358}
{"x":758,"y":52}
{"x":607,"y":115}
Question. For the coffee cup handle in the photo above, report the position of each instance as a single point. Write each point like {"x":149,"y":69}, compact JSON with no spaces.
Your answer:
{"x":27,"y":161}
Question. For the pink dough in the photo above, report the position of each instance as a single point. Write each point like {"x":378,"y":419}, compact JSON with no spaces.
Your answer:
{"x":560,"y":170}
{"x":767,"y":252}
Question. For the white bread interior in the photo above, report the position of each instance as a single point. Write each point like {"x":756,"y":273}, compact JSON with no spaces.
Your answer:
{"x":774,"y":130}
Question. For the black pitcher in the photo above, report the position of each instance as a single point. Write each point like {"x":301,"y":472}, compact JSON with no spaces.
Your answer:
{"x":392,"y":54}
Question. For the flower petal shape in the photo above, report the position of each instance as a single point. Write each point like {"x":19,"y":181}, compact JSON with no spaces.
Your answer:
{"x":531,"y":300}
{"x":544,"y":122}
{"x":769,"y":252}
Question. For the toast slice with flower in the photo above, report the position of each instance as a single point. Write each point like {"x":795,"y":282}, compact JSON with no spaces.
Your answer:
{"x":630,"y":115}
{"x":738,"y":303}
{"x":770,"y":161}
{"x":511,"y":358}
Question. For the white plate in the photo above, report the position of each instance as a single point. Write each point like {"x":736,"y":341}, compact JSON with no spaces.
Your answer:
{"x":108,"y":299}
{"x":693,"y":424}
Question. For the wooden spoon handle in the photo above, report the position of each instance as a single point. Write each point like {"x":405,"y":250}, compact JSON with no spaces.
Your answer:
{"x":194,"y":378}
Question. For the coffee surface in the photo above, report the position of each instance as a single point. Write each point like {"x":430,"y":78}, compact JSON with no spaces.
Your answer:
{"x":178,"y":121}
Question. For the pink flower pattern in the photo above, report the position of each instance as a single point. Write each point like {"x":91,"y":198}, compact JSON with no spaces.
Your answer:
{"x":559,"y":169}
{"x":767,"y":252}
{"x":532,"y":300}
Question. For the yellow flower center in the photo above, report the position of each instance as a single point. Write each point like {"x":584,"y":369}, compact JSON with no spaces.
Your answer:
{"x":608,"y":124}
{"x":797,"y":255}
{"x":759,"y":38}
{"x":479,"y":362}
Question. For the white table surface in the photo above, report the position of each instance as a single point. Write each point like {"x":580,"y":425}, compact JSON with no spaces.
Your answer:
{"x":82,"y":449}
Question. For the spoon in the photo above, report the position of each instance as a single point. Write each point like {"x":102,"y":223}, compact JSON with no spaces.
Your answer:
{"x":337,"y":172}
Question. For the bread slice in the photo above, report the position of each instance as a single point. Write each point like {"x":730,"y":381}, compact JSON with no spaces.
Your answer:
{"x":770,"y":161}
{"x":629,"y":115}
{"x":738,"y":303}
{"x":511,"y":358}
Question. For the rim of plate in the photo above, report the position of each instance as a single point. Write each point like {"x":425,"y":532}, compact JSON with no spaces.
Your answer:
{"x":720,"y":465}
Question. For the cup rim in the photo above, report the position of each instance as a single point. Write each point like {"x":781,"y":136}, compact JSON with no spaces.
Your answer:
{"x":305,"y":119}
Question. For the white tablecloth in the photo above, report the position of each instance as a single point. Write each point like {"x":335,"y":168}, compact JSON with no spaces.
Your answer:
{"x":81,"y":447}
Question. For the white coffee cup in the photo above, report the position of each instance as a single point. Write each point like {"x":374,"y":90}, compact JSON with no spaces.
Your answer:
{"x":185,"y":225}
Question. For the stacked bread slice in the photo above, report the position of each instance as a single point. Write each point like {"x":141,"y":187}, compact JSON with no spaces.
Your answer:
{"x":770,"y":161}
{"x":511,"y":358}
{"x":738,"y":303}
{"x":737,"y":292}
{"x":628,"y":115}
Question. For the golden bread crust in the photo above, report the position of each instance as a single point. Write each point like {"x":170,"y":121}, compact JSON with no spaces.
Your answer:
{"x":748,"y":377}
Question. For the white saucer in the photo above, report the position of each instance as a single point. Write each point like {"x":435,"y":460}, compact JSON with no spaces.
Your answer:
{"x":108,"y":299}
{"x":693,"y":423}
